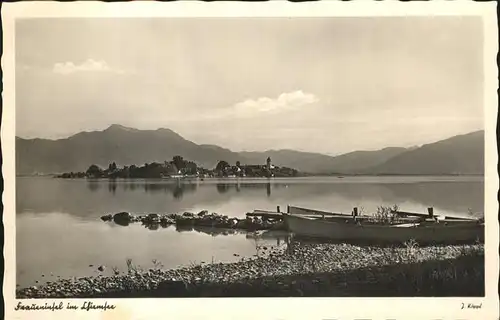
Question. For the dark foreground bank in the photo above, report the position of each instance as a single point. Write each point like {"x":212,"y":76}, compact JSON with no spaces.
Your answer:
{"x":303,"y":269}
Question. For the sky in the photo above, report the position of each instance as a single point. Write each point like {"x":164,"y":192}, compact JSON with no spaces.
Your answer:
{"x":328,"y":85}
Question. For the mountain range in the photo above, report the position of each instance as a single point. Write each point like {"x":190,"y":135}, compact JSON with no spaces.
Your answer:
{"x":463,"y":154}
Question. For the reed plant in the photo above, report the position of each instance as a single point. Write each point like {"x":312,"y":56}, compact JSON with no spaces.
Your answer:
{"x":132,"y":268}
{"x":386,"y":214}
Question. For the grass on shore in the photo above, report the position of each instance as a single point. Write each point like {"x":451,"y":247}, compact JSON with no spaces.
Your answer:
{"x":445,"y":278}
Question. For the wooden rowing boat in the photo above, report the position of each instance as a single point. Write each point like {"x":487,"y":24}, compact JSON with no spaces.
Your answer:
{"x":437,"y":232}
{"x":403,"y":214}
{"x":399,"y":216}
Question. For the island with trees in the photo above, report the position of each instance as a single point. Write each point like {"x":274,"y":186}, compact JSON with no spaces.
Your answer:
{"x":179,"y":167}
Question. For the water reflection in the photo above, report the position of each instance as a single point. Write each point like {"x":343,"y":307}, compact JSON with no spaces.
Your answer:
{"x":112,"y":186}
{"x":178,"y":192}
{"x":131,"y":185}
{"x":225,"y":187}
{"x":214,"y":232}
{"x":93,"y":185}
{"x":176,"y":189}
{"x":90,"y":243}
{"x":262,"y":240}
{"x":153,"y":226}
{"x":93,"y":198}
{"x":277,"y":235}
{"x":123,"y":223}
{"x":183,"y":228}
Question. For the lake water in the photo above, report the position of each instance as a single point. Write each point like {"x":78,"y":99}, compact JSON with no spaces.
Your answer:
{"x":59,"y":231}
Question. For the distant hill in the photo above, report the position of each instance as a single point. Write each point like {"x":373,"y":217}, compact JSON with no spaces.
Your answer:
{"x":463,"y":154}
{"x":347,"y":163}
{"x":127,"y":146}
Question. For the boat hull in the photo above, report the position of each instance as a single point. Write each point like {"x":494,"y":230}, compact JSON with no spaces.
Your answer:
{"x":336,"y":230}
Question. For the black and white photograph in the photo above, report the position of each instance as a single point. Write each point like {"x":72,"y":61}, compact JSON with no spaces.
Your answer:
{"x":240,"y":156}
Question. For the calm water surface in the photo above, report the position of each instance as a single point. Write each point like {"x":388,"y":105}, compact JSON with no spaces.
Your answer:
{"x":59,"y":231}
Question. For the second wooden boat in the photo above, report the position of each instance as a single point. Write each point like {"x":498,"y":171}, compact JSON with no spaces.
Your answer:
{"x":307,"y":212}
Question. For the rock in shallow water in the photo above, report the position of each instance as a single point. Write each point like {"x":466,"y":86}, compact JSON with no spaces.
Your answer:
{"x":107,"y":217}
{"x":202,"y":213}
{"x":122,"y":217}
{"x":152,"y":218}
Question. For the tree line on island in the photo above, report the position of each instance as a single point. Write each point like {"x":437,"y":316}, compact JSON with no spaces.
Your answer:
{"x":179,"y":167}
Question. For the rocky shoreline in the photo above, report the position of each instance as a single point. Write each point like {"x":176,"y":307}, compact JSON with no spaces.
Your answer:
{"x":302,"y":269}
{"x":201,"y":219}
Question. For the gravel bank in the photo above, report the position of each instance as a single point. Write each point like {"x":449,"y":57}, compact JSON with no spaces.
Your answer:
{"x":303,"y":269}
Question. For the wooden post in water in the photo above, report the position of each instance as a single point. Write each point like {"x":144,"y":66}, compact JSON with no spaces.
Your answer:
{"x":430,"y":210}
{"x":277,"y":208}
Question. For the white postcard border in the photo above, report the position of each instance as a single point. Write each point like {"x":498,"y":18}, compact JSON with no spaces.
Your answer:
{"x":269,"y":308}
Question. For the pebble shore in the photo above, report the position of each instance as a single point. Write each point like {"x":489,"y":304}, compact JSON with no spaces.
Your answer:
{"x":302,"y":269}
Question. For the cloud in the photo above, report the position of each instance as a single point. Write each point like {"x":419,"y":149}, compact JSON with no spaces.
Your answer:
{"x":265,"y":106}
{"x":284,"y":101}
{"x":89,"y":65}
